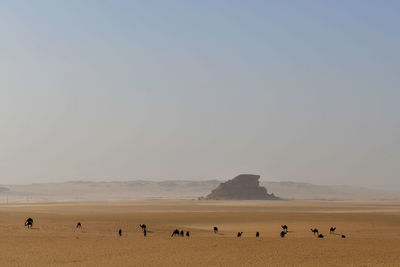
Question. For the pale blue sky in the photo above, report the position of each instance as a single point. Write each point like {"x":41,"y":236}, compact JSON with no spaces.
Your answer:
{"x":116,"y":90}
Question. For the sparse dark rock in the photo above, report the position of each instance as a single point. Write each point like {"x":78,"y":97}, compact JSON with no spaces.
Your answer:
{"x":242,"y":187}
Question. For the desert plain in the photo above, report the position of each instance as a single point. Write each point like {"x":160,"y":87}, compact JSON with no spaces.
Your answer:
{"x":372,"y":232}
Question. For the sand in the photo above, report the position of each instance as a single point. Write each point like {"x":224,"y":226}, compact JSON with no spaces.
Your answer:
{"x":372,"y":230}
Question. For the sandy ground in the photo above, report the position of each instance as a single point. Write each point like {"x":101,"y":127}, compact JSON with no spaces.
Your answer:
{"x":372,"y":230}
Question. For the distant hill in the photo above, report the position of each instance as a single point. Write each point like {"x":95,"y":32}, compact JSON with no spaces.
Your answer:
{"x":176,"y":189}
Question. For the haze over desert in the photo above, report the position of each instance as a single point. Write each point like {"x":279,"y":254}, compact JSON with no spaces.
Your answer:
{"x":199,"y":133}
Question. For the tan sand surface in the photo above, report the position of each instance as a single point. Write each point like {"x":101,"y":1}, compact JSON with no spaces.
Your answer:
{"x":372,"y":230}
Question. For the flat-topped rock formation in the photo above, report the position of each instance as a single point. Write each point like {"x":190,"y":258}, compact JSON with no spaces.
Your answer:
{"x":242,"y":187}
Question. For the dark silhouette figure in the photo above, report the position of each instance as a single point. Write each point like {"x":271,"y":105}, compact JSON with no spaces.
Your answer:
{"x":258,"y":234}
{"x":144,"y":232}
{"x":175,"y":233}
{"x":239,"y":234}
{"x":79,"y":225}
{"x":182,"y":233}
{"x":120,"y":232}
{"x":343,"y":236}
{"x":187,"y":234}
{"x":285,"y":228}
{"x":29,"y":222}
{"x":143,"y":226}
{"x":215,"y":229}
{"x":283,"y":233}
{"x":320,"y":236}
{"x":332,"y":230}
{"x":315,"y":231}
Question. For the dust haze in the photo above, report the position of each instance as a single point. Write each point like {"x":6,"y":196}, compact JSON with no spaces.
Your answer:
{"x":177,"y":189}
{"x":120,"y":114}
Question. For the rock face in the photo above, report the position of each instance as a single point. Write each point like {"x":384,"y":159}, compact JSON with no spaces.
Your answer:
{"x":242,"y":187}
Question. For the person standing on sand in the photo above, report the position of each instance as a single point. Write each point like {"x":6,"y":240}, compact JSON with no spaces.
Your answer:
{"x":120,"y":232}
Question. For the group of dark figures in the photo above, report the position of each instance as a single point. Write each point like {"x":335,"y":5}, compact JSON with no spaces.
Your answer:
{"x":181,"y":233}
{"x":176,"y":232}
{"x":142,"y":226}
{"x":331,"y":231}
{"x":239,"y":234}
{"x":313,"y":230}
{"x":29,"y":224}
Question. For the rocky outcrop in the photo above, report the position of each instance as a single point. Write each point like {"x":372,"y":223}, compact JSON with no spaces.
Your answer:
{"x":242,"y":187}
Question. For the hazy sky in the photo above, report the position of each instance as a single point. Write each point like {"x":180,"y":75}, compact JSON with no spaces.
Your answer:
{"x":115,"y":90}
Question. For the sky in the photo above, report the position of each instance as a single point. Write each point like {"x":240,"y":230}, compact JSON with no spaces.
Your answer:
{"x":305,"y":91}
